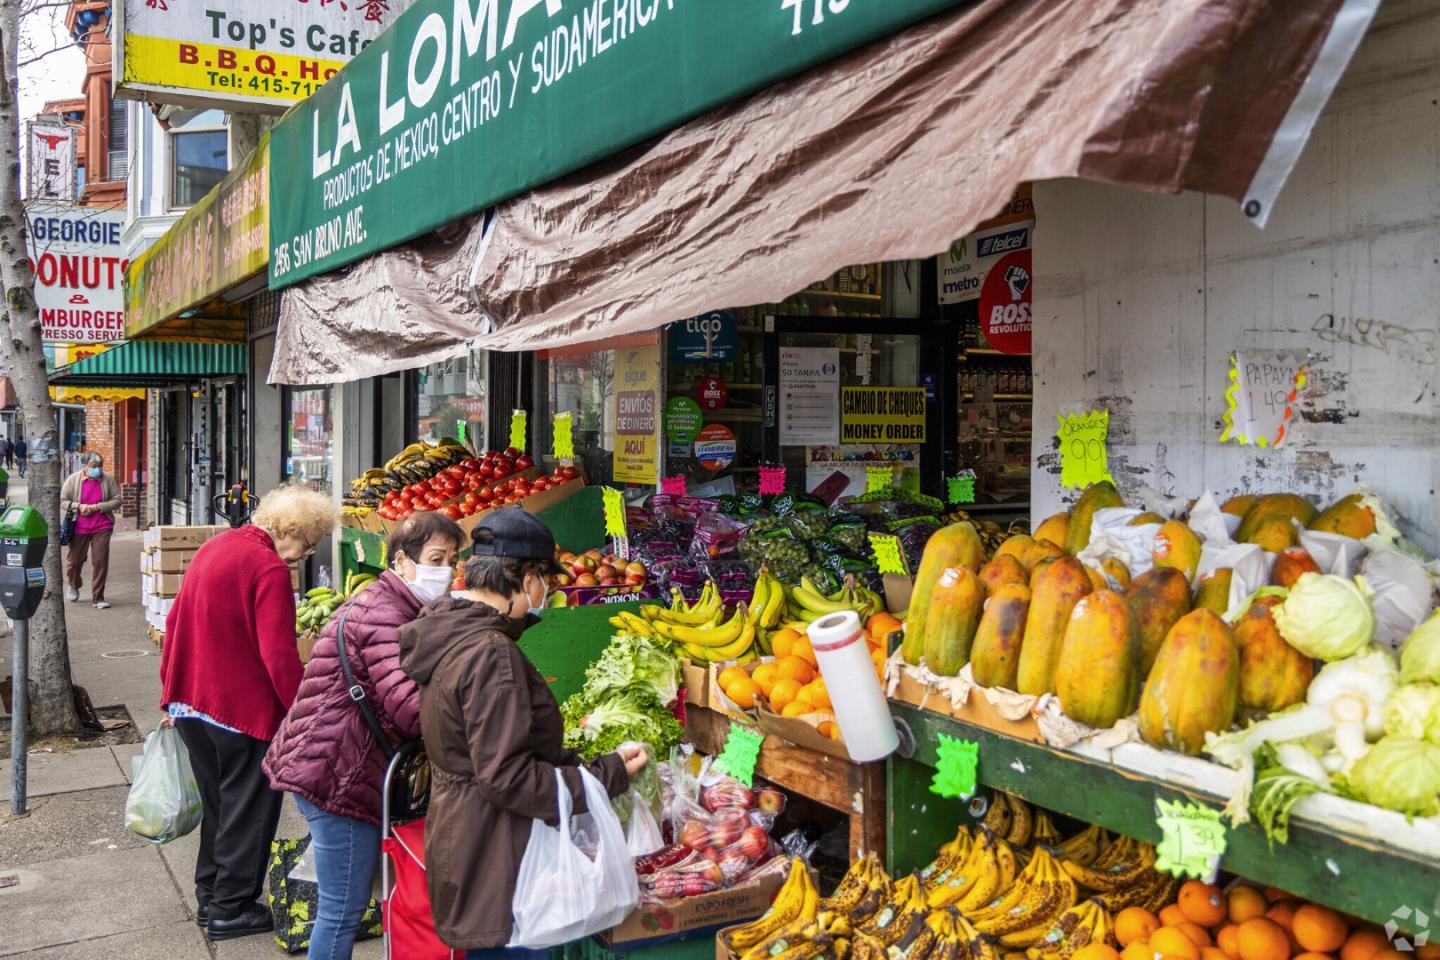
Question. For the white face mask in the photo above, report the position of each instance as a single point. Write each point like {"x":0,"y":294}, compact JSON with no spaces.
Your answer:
{"x":544,"y":599}
{"x":431,"y":583}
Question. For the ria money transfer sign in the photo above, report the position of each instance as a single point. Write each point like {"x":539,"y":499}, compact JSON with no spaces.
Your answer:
{"x":79,"y":272}
{"x":268,"y":52}
{"x":463,"y":103}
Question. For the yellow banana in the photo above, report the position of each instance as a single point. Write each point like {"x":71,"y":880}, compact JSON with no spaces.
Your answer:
{"x":774,"y":602}
{"x":813,"y":601}
{"x":760,"y":596}
{"x":716,"y":636}
{"x":743,"y":644}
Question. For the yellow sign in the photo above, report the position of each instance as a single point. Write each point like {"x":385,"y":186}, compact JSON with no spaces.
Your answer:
{"x":637,"y":415}
{"x":882,"y":415}
{"x":229,"y":71}
{"x":1083,"y":459}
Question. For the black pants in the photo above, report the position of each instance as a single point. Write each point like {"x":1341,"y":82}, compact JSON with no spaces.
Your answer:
{"x":241,"y":814}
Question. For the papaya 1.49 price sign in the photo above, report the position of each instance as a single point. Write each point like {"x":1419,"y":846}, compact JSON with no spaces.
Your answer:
{"x":493,"y":97}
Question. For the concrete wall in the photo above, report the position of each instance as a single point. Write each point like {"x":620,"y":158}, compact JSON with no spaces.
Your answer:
{"x":1140,"y":300}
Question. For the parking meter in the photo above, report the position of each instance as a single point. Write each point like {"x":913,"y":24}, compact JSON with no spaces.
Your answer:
{"x":23,"y":536}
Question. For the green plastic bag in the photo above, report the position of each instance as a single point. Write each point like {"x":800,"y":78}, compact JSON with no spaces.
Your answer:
{"x":164,"y":801}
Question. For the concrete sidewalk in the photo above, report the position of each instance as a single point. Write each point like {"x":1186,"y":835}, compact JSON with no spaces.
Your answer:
{"x":83,"y":887}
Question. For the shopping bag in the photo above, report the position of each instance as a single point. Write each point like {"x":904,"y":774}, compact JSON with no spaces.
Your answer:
{"x":295,"y":903}
{"x":164,"y":801}
{"x":642,"y":833}
{"x":409,"y":921}
{"x":67,"y":528}
{"x":563,"y":895}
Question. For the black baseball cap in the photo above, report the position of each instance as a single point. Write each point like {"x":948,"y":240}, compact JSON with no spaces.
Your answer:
{"x":515,"y":533}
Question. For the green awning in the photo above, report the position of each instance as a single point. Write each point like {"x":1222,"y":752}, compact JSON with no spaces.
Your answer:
{"x":153,"y":363}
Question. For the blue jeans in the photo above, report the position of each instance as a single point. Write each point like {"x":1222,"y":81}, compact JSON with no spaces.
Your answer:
{"x":347,"y":854}
{"x":504,"y":953}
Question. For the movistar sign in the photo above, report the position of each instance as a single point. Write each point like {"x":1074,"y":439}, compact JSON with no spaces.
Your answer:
{"x":463,"y":103}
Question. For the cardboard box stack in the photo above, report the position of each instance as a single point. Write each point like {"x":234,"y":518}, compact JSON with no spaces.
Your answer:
{"x":165,"y":554}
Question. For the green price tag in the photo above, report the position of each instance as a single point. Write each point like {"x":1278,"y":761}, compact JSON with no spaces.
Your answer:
{"x":564,"y":436}
{"x":1083,"y":459}
{"x":889,"y":557}
{"x":518,"y":429}
{"x":460,"y":430}
{"x":955,"y":767}
{"x":1192,"y":840}
{"x":879,"y":478}
{"x":961,"y":488}
{"x":614,"y":502}
{"x":742,"y":751}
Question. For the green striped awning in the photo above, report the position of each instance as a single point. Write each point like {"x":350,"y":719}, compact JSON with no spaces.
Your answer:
{"x":153,"y":363}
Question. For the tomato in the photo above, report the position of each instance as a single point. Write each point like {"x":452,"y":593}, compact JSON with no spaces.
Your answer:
{"x":486,"y":494}
{"x":500,"y":470}
{"x":452,"y":511}
{"x":569,"y":473}
{"x":511,"y":453}
{"x":523,"y":462}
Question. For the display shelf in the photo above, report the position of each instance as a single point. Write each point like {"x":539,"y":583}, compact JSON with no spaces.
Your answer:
{"x":999,"y":397}
{"x":1355,"y":874}
{"x":988,"y":352}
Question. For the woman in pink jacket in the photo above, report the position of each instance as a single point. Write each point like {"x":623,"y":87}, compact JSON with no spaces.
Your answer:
{"x":325,"y":752}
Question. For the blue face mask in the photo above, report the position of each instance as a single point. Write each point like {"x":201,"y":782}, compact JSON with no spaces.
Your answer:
{"x":94,"y":472}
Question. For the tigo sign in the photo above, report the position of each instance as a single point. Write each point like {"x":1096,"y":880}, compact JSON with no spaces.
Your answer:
{"x":79,"y":272}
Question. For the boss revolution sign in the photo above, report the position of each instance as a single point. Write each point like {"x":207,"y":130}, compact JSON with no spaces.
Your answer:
{"x":79,"y":272}
{"x":466,"y":102}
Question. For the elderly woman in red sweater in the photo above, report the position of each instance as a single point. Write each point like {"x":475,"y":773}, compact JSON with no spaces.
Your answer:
{"x":230,"y":670}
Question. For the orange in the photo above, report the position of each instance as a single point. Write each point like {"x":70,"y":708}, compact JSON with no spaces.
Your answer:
{"x":1363,"y":944}
{"x":729,"y":675}
{"x":1275,"y":893}
{"x":1227,"y":938}
{"x":1213,"y":953}
{"x":1319,"y":929}
{"x":765,"y":675}
{"x":817,"y":694}
{"x":1173,"y":942}
{"x":803,"y":650}
{"x":1095,"y":951}
{"x":782,"y":641}
{"x":1283,"y":913}
{"x":1134,"y":923}
{"x":1390,"y":953}
{"x":1428,"y":951}
{"x":1261,"y":938}
{"x":783,"y":693}
{"x":880,"y":626}
{"x":1202,"y":903}
{"x":829,"y":728}
{"x":1196,"y":933}
{"x":1137,"y":950}
{"x":796,"y":708}
{"x":1246,"y":903}
{"x":743,"y":692}
{"x":794,"y":668}
{"x":1314,"y":956}
{"x":1172,"y":916}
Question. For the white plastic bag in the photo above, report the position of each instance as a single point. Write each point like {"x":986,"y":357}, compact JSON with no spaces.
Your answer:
{"x":1333,"y":552}
{"x":1402,"y":595}
{"x":642,"y":833}
{"x":164,"y":801}
{"x":563,"y":895}
{"x":1112,"y":536}
{"x":1250,"y":569}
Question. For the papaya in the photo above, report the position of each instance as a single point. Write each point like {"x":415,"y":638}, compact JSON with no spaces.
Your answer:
{"x":1176,"y":545}
{"x":1291,"y":565}
{"x":1097,"y":496}
{"x":1097,"y":677}
{"x":1056,"y":590}
{"x":1214,"y":591}
{"x":1116,"y":570}
{"x":1055,"y":528}
{"x":1273,"y":674}
{"x":1144,"y":518}
{"x":1158,"y":597}
{"x":996,"y":652}
{"x":1037,"y":569}
{"x":1003,"y":569}
{"x":1285,"y":506}
{"x":1017,"y":546}
{"x":1042,"y":550}
{"x":1194,"y":687}
{"x":1348,"y":517}
{"x":955,"y":545}
{"x":1238,"y":506}
{"x":1275,"y":535}
{"x":953,"y":617}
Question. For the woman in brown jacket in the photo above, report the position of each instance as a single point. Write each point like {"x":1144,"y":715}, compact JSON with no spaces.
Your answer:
{"x":493,"y":733}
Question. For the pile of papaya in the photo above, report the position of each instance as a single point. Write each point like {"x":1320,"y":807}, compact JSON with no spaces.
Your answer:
{"x":1031,"y":617}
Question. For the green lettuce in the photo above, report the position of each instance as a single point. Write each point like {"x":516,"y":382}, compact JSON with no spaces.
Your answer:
{"x":634,"y":715}
{"x":1414,"y":711}
{"x":1327,"y":617}
{"x":1277,"y":789}
{"x":1420,"y":654}
{"x":1401,"y":774}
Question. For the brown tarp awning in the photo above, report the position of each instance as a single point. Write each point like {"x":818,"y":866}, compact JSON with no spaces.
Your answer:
{"x":891,"y":152}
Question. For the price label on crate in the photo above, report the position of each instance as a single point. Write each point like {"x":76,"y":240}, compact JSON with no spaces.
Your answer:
{"x":1192,"y":840}
{"x":962,"y":487}
{"x":564,"y":436}
{"x":889,"y":555}
{"x":613,"y":503}
{"x":741,"y":753}
{"x":879,"y":478}
{"x":519,"y":427}
{"x":955,"y":765}
{"x":772,"y":480}
{"x":675,"y":486}
{"x":1083,"y":458}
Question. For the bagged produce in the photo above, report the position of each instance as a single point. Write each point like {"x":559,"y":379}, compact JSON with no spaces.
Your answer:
{"x":164,"y":801}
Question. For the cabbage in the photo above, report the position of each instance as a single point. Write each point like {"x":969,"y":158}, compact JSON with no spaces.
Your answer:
{"x":1420,"y":654}
{"x":1412,"y":710}
{"x":1401,"y":774}
{"x":1326,"y":616}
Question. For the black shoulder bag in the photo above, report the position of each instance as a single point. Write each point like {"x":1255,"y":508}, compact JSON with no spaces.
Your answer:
{"x":357,"y":692}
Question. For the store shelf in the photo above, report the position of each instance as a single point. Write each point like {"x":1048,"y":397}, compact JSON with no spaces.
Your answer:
{"x":1357,"y":874}
{"x":987,"y":352}
{"x":999,"y":396}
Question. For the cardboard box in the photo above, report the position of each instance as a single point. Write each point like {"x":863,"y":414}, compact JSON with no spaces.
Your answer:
{"x":172,"y":538}
{"x":653,"y":923}
{"x":697,"y":682}
{"x":977,"y":710}
{"x":171,"y":560}
{"x":595,"y":596}
{"x":165,"y":584}
{"x":803,"y":731}
{"x":305,"y":644}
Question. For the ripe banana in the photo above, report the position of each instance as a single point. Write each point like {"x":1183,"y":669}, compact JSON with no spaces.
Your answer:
{"x":788,"y":906}
{"x":946,"y":890}
{"x":1082,"y":848}
{"x":808,"y":597}
{"x":989,"y":884}
{"x":1021,"y":821}
{"x":1116,"y":876}
{"x":1044,"y":830}
{"x":997,"y":818}
{"x":701,"y":636}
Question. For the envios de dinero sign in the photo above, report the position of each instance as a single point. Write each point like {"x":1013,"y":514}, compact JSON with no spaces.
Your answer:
{"x":463,"y":103}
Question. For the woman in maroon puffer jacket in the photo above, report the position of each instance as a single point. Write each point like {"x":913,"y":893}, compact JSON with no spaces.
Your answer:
{"x":326,"y":753}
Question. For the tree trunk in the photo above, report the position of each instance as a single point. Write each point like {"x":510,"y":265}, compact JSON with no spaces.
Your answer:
{"x":54,"y":702}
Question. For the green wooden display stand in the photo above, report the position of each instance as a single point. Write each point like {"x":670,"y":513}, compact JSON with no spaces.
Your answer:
{"x":1361,"y":877}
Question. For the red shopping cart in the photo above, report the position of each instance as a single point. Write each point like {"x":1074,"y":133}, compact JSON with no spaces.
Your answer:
{"x":404,"y":900}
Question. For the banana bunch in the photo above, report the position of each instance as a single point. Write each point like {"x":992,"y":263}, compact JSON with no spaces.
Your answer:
{"x":828,"y":935}
{"x":862,"y":892}
{"x":797,"y":902}
{"x":989,"y":869}
{"x":1025,"y":913}
{"x":702,"y":631}
{"x":901,"y":921}
{"x":419,"y":461}
{"x":1011,"y":818}
{"x":806,"y":603}
{"x":316,"y":607}
{"x":1085,"y":923}
{"x":1123,"y":864}
{"x":767,"y":605}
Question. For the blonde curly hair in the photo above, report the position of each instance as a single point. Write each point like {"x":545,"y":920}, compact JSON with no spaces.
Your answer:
{"x":296,"y":512}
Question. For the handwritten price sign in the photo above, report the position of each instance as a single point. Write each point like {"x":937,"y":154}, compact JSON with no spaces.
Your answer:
{"x":1083,"y":458}
{"x":772,"y":480}
{"x":564,"y":436}
{"x":518,"y":429}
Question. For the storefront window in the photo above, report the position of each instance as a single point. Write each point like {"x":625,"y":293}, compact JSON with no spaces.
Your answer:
{"x":311,"y":438}
{"x":582,"y":383}
{"x":452,"y":400}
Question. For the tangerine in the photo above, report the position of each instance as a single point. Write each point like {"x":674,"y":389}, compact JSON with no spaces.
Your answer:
{"x":1283,"y":912}
{"x":729,"y":675}
{"x":765,"y":675}
{"x":1095,"y":951}
{"x":1137,"y":950}
{"x":817,"y":694}
{"x":829,"y":728}
{"x":804,"y":651}
{"x":1275,"y":893}
{"x":783,"y":693}
{"x":1319,"y":929}
{"x":1227,"y":938}
{"x":1246,"y":903}
{"x":1213,"y":953}
{"x":1363,"y":944}
{"x":743,"y":692}
{"x":881,"y":625}
{"x":796,"y":708}
{"x":1134,"y":924}
{"x":1261,"y":938}
{"x":1172,"y":916}
{"x":1428,"y":951}
{"x":1173,"y":942}
{"x":1310,"y":955}
{"x":1197,"y":933}
{"x":1202,"y":903}
{"x":795,"y":668}
{"x":782,"y":642}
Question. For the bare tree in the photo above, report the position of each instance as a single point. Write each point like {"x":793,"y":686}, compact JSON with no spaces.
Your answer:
{"x":20,"y":347}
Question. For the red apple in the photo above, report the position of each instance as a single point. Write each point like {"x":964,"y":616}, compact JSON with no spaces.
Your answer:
{"x":522,"y":462}
{"x":635,"y":580}
{"x":586,"y":580}
{"x":636,"y":569}
{"x":771,"y":801}
{"x":693,"y":834}
{"x":605,"y":570}
{"x":511,"y":453}
{"x":753,"y":843}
